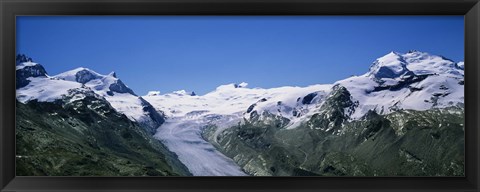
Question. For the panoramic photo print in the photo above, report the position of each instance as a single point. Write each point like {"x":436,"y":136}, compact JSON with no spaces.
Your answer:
{"x":240,"y":96}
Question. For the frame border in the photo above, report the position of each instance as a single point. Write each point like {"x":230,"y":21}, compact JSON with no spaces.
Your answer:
{"x":9,"y":9}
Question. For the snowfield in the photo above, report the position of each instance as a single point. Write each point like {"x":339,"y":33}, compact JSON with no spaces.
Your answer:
{"x":45,"y":89}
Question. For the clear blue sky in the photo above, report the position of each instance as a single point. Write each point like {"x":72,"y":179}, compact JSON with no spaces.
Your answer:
{"x":198,"y":53}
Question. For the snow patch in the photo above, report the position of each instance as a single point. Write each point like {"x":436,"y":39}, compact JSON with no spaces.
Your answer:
{"x":25,"y":64}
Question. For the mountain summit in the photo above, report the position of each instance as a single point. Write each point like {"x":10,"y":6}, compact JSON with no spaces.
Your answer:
{"x":26,"y":68}
{"x":104,"y":83}
{"x":36,"y":85}
{"x":394,"y":65}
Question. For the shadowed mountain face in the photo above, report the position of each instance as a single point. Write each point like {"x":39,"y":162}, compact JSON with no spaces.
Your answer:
{"x":87,"y":137}
{"x":26,"y":69}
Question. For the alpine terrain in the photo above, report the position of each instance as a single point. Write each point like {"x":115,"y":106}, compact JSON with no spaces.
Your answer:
{"x":403,"y":117}
{"x":81,"y":123}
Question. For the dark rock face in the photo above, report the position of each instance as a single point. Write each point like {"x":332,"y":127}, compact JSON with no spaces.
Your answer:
{"x":404,"y":143}
{"x":157,"y":118}
{"x":334,"y":110}
{"x":120,"y":87}
{"x":29,"y":71}
{"x":21,"y":58}
{"x":85,"y":76}
{"x":309,"y":98}
{"x":404,"y":82}
{"x":251,"y":107}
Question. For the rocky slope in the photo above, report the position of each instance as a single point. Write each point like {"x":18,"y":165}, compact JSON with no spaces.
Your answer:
{"x":83,"y":123}
{"x":404,"y":117}
{"x":402,"y":143}
{"x":87,"y":137}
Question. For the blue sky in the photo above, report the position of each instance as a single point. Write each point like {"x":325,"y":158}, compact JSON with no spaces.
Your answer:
{"x":198,"y":53}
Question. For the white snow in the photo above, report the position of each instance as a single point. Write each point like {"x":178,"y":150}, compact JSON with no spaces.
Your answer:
{"x":25,"y":64}
{"x":461,"y":65}
{"x":227,"y":99}
{"x":71,"y":75}
{"x":243,"y":84}
{"x":423,"y":63}
{"x":389,"y":66}
{"x":446,"y":75}
{"x":153,"y":93}
{"x":45,"y":89}
{"x":129,"y":105}
{"x":180,"y":92}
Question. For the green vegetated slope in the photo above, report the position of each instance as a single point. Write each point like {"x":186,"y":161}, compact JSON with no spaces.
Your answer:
{"x":403,"y":143}
{"x":87,"y":137}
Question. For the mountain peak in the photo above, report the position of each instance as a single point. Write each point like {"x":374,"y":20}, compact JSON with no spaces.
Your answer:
{"x":83,"y":69}
{"x":414,"y":51}
{"x":393,"y":53}
{"x":391,"y":65}
{"x":153,"y":93}
{"x":180,"y":92}
{"x":241,"y":85}
{"x":23,"y":61}
{"x":395,"y":64}
{"x":113,"y":74}
{"x":21,"y":58}
{"x":461,"y":65}
{"x":232,"y":86}
{"x":26,"y":68}
{"x":80,"y":74}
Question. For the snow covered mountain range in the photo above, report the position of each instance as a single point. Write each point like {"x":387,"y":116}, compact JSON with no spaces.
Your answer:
{"x":397,"y":81}
{"x":414,"y":80}
{"x":33,"y":83}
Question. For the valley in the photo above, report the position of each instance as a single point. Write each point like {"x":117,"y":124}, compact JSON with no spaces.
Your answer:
{"x":184,"y":138}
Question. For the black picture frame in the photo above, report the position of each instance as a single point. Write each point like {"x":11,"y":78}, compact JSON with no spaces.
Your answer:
{"x":9,"y":9}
